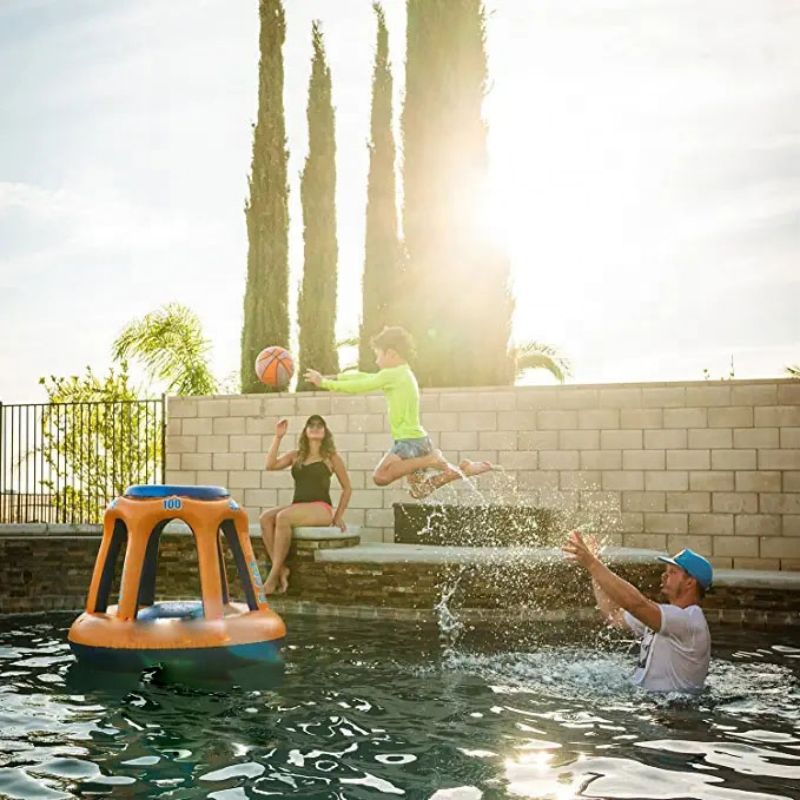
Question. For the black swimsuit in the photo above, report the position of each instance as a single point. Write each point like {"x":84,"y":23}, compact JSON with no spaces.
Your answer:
{"x":312,"y":483}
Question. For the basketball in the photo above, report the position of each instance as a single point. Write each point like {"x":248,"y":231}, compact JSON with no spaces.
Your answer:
{"x":275,"y":366}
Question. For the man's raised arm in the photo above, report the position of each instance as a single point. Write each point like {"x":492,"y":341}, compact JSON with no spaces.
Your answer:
{"x":617,"y":591}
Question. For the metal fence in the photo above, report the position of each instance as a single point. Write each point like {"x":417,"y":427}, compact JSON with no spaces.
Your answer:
{"x":63,"y":462}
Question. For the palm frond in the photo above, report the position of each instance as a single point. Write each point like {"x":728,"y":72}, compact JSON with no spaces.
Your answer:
{"x":537,"y":355}
{"x":170,"y":345}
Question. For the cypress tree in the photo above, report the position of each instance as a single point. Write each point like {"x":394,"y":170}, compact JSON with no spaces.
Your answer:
{"x":458,"y":303}
{"x":382,"y":248}
{"x":317,"y":304}
{"x":266,"y":299}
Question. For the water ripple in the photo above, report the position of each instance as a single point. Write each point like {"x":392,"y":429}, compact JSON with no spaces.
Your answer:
{"x":362,"y":714}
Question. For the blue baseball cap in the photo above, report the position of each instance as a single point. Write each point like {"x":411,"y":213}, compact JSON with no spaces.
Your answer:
{"x":694,"y":564}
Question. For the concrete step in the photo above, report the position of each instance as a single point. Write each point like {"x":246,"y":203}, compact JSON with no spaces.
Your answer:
{"x":304,"y":533}
{"x":315,"y":533}
{"x":322,"y":537}
{"x":326,"y":538}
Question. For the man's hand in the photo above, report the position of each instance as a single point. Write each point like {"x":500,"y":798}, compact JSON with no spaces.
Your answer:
{"x":312,"y":376}
{"x":590,"y":540}
{"x":584,"y":552}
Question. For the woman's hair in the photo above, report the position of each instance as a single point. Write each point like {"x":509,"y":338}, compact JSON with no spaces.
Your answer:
{"x":394,"y":338}
{"x":327,"y":447}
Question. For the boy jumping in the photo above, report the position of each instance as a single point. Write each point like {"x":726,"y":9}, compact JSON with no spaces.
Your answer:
{"x":412,"y":451}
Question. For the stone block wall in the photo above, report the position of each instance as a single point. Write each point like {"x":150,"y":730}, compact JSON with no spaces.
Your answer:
{"x":714,"y":465}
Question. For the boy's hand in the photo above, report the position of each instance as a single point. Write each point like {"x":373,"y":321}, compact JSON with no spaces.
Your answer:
{"x":312,"y":376}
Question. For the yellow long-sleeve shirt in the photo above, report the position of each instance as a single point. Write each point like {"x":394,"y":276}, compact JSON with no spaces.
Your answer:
{"x":399,"y":386}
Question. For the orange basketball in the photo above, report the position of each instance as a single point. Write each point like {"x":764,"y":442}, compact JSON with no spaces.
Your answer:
{"x":275,"y":366}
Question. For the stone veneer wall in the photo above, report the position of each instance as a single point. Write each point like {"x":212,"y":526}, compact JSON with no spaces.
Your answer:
{"x":713,"y":465}
{"x":34,"y":578}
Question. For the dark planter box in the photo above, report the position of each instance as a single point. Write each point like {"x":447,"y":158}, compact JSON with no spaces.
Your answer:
{"x":477,"y":526}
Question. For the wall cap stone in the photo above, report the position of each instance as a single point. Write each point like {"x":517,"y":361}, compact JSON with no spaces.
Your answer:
{"x":777,"y":381}
{"x":308,"y":533}
{"x":757,"y":579}
{"x":15,"y":530}
{"x":176,"y":527}
{"x":377,"y":553}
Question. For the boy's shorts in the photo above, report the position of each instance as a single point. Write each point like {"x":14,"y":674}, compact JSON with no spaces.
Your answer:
{"x":412,"y":448}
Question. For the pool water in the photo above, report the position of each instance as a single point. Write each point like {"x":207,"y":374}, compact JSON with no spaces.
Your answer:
{"x":371,"y":709}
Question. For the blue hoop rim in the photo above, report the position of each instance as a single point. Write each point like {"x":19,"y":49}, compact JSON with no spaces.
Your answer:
{"x":156,"y":492}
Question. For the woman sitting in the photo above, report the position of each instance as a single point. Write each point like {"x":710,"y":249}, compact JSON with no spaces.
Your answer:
{"x":313,"y":463}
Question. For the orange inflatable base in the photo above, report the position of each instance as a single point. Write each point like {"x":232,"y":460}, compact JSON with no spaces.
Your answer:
{"x":175,"y":635}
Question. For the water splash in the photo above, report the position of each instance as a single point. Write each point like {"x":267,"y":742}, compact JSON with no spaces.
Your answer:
{"x":497,"y":512}
{"x":450,"y":626}
{"x":536,"y":516}
{"x":561,"y":672}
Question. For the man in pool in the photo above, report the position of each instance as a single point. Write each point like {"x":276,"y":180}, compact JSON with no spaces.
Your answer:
{"x":675,"y":642}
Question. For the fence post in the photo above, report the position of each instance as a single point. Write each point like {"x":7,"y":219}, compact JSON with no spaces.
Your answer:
{"x":2,"y":466}
{"x":163,"y":438}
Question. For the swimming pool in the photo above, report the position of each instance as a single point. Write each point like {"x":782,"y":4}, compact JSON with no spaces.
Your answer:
{"x":368,"y":709}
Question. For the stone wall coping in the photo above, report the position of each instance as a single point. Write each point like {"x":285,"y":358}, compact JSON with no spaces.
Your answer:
{"x":756,"y":579}
{"x":177,"y":527}
{"x":431,"y":554}
{"x":318,"y":533}
{"x":378,"y":553}
{"x":30,"y":529}
{"x":553,"y":388}
{"x":580,"y":386}
{"x":306,"y":533}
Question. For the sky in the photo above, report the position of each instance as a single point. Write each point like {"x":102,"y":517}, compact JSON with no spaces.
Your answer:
{"x":644,"y":175}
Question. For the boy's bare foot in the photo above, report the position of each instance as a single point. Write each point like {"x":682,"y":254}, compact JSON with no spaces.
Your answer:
{"x":472,"y":468}
{"x":419,"y":488}
{"x":415,"y":482}
{"x":284,"y":583}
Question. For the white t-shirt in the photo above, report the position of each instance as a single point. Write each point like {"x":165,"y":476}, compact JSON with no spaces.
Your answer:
{"x":676,"y":658}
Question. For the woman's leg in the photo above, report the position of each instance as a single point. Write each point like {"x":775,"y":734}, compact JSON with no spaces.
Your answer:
{"x":267,"y":521}
{"x":293,"y":516}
